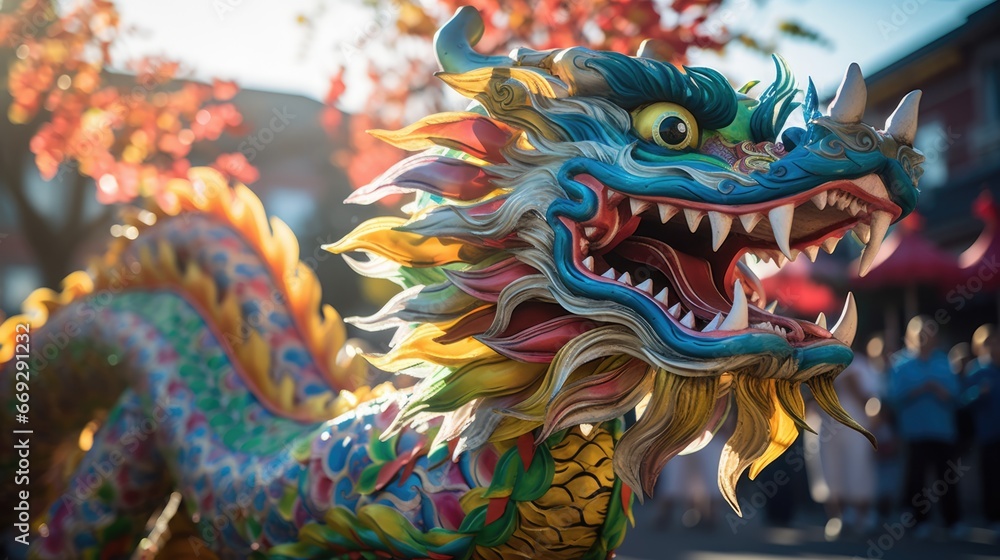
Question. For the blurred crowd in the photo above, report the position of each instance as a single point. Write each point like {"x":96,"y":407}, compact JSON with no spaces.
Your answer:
{"x":936,"y":416}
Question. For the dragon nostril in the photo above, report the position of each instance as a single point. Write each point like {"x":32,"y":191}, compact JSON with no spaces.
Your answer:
{"x":792,"y":137}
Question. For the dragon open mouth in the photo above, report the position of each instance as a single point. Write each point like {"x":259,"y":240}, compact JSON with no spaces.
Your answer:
{"x":688,"y":257}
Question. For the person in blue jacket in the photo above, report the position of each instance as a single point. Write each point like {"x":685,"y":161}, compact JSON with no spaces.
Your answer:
{"x":924,"y":393}
{"x":983,"y":395}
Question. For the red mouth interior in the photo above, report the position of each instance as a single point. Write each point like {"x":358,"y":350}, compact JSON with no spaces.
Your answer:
{"x":629,"y":237}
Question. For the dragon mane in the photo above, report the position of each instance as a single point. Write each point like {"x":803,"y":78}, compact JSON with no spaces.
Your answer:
{"x":501,"y":342}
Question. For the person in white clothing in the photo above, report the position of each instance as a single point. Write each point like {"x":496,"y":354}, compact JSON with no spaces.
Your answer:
{"x":847,"y":459}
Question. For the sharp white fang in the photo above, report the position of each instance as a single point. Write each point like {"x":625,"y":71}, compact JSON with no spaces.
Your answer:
{"x":780,"y":260}
{"x":713,"y":324}
{"x":666,"y":212}
{"x":590,"y":231}
{"x":609,"y":194}
{"x":688,"y":320}
{"x":829,"y":244}
{"x":847,"y":325}
{"x":750,"y":220}
{"x":738,"y":318}
{"x":675,"y":311}
{"x":863,"y":232}
{"x":812,"y":252}
{"x":880,"y":225}
{"x":821,"y":320}
{"x":625,"y":278}
{"x":646,"y":286}
{"x":781,"y":224}
{"x":662,"y":296}
{"x":589,"y":263}
{"x":693,"y":218}
{"x":610,"y":273}
{"x":771,"y":307}
{"x":820,"y":200}
{"x":638,"y":206}
{"x":754,"y":297}
{"x":720,"y":228}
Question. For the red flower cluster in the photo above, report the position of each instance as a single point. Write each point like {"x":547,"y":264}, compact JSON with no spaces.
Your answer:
{"x":130,"y":135}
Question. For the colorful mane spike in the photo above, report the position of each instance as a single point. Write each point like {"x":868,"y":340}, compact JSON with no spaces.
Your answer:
{"x":573,"y":253}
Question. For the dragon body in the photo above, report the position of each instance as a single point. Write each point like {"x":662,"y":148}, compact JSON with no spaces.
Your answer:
{"x":572,"y":253}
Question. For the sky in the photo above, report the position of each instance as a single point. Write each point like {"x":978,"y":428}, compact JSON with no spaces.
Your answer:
{"x":262,"y":45}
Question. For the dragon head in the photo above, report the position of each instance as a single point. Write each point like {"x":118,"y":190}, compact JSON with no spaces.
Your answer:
{"x":575,"y":249}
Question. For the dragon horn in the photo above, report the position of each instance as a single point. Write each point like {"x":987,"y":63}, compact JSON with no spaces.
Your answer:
{"x":902,"y":123}
{"x":454,"y":41}
{"x":848,"y":106}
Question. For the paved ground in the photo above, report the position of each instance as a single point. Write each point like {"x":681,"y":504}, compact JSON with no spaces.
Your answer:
{"x":754,"y":541}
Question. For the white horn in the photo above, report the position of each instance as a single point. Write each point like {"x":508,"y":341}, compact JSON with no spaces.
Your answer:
{"x":902,"y":123}
{"x":848,"y":106}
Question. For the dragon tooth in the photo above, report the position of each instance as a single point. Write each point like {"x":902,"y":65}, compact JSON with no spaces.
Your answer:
{"x":820,"y":200}
{"x":675,"y":311}
{"x":847,"y":325}
{"x":589,"y":263}
{"x":781,"y":224}
{"x":625,"y":278}
{"x":638,"y":206}
{"x":844,"y":202}
{"x":812,"y":252}
{"x":780,"y":260}
{"x":754,"y":297}
{"x":863,"y":232}
{"x":662,"y":296}
{"x":821,"y":320}
{"x":750,"y":220}
{"x":738,"y":318}
{"x":646,"y":286}
{"x":879,"y":226}
{"x":855,"y":207}
{"x":688,"y":320}
{"x":848,"y":106}
{"x":713,"y":324}
{"x":590,"y":231}
{"x":720,"y":228}
{"x":693,"y":218}
{"x":829,"y":244}
{"x":902,"y":123}
{"x":666,"y":212}
{"x":771,"y":307}
{"x":610,"y":273}
{"x":795,"y":254}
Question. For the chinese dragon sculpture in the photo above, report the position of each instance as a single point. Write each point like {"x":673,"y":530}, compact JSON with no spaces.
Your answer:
{"x":573,"y":253}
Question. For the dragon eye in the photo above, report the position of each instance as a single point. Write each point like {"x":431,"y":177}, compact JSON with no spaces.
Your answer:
{"x":667,"y":124}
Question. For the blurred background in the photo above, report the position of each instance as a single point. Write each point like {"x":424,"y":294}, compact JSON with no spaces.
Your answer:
{"x":103,"y":102}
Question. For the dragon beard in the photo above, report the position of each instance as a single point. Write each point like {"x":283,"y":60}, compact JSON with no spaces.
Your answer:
{"x":556,"y":271}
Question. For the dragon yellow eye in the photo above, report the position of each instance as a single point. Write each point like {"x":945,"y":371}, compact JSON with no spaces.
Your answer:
{"x":667,"y":124}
